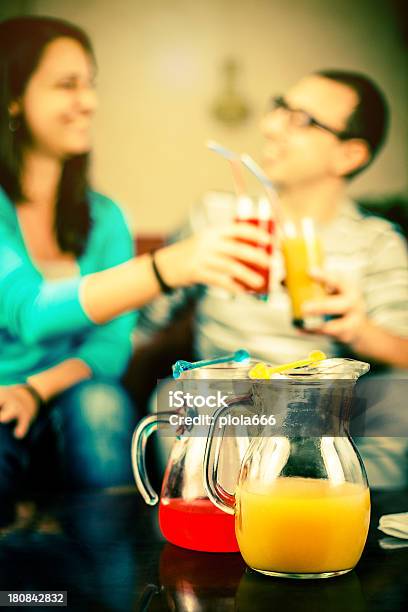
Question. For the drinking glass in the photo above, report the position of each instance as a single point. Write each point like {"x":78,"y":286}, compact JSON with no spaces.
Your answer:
{"x":258,"y":212}
{"x":302,"y":252}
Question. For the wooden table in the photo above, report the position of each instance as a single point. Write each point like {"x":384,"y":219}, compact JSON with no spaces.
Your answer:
{"x":107,"y":552}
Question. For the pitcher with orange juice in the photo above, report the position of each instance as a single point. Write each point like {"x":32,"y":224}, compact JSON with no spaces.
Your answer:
{"x":302,"y":503}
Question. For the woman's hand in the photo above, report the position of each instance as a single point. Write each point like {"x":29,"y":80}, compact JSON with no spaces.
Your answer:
{"x":343,"y":301}
{"x":217,"y":257}
{"x":18,"y":404}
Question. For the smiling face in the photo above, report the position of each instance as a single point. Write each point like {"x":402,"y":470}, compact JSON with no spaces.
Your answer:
{"x":295,"y":154}
{"x":59,"y":100}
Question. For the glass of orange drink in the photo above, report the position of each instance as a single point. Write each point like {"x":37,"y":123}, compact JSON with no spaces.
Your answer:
{"x":302,"y":252}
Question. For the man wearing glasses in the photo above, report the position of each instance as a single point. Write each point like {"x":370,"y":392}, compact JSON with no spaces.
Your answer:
{"x":324,"y":131}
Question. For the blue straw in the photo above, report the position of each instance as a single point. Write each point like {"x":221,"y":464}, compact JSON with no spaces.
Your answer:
{"x":182,"y":366}
{"x":257,"y":171}
{"x":217,"y":148}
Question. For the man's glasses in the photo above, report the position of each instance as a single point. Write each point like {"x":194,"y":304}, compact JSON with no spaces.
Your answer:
{"x":300,"y":119}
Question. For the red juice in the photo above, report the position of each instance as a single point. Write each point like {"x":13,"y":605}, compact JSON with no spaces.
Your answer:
{"x":197,"y":525}
{"x":269,"y":226}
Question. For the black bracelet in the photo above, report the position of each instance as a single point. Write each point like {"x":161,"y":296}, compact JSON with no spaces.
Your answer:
{"x":165,"y":288}
{"x":34,"y":393}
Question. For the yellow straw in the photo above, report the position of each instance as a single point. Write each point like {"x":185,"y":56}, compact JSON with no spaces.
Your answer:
{"x":261,"y":370}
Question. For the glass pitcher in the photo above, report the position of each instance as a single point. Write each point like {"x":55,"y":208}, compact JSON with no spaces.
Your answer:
{"x":187,"y":517}
{"x":302,"y":504}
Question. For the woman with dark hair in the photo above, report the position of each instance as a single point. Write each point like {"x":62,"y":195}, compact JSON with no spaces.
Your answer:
{"x":69,"y":283}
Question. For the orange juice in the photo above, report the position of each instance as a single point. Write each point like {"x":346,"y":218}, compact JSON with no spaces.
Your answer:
{"x":302,"y":525}
{"x":302,"y":251}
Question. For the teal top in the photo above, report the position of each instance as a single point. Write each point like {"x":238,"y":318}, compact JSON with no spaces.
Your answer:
{"x":42,"y":322}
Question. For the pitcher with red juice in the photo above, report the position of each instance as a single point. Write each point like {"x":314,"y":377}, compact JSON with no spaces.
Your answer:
{"x":187,"y":517}
{"x":258,"y":212}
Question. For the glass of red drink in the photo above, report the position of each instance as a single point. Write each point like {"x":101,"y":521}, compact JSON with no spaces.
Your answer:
{"x":258,"y":212}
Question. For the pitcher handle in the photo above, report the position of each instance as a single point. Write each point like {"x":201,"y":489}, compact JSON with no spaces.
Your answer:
{"x":143,"y":431}
{"x":217,"y":494}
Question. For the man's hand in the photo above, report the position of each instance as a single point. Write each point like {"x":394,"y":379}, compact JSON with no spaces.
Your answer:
{"x":18,"y":404}
{"x":345,"y":303}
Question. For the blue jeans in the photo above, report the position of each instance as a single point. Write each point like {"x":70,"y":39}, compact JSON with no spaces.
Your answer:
{"x":92,"y":425}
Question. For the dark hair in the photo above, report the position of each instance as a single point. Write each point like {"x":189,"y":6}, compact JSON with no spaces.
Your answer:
{"x":22,"y":43}
{"x":369,"y":120}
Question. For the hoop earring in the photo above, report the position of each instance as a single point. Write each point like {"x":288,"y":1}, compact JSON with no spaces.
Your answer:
{"x":14,"y":124}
